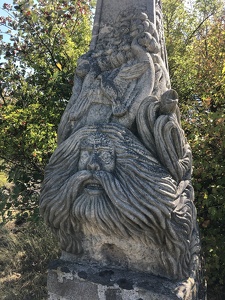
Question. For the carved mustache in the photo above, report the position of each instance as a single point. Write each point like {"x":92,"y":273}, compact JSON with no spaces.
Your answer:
{"x":87,"y":180}
{"x":119,"y":196}
{"x":66,"y":193}
{"x":126,"y":201}
{"x":114,"y":191}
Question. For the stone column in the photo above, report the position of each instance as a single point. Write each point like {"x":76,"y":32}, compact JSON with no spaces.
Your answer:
{"x":117,"y":190}
{"x":107,"y":12}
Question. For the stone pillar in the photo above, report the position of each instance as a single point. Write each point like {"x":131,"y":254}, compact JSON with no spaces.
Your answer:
{"x":117,"y":190}
{"x":108,"y":10}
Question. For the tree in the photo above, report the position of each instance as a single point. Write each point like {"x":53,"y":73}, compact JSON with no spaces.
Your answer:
{"x":46,"y":39}
{"x":196,"y":60}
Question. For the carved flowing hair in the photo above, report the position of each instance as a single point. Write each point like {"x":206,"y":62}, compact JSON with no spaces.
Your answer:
{"x":145,"y":201}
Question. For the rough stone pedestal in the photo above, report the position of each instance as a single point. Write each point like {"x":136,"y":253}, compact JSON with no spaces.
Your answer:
{"x":73,"y":281}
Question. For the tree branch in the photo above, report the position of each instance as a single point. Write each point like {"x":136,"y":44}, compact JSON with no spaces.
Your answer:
{"x":197,"y":28}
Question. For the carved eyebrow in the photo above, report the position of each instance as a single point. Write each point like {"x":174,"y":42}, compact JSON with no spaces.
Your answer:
{"x":104,"y":148}
{"x":93,"y":147}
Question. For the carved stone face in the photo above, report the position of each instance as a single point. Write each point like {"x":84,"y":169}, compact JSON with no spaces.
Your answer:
{"x":97,"y":159}
{"x":97,"y":154}
{"x":103,"y":181}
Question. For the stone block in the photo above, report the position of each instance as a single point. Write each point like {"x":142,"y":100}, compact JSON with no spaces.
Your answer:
{"x":72,"y":281}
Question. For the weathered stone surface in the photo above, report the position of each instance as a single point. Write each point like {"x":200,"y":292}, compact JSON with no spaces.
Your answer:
{"x":117,"y":190}
{"x":108,"y":11}
{"x":114,"y":198}
{"x":85,"y":282}
{"x":126,"y":65}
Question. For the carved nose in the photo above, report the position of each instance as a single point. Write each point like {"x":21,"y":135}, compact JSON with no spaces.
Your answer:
{"x":93,"y":164}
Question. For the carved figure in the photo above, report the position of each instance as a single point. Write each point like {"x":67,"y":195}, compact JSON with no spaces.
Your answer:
{"x":112,"y":80}
{"x":102,"y":180}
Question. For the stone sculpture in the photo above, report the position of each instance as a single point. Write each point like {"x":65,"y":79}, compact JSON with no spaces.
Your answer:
{"x":113,"y":79}
{"x":117,"y":190}
{"x":103,"y":182}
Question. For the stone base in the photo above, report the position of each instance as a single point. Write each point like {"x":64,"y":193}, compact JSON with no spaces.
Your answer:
{"x":75,"y":281}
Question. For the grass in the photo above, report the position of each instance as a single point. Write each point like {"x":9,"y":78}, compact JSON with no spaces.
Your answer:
{"x":3,"y":179}
{"x":25,"y":252}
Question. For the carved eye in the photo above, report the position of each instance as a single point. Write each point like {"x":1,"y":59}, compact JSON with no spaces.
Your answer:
{"x":106,"y":156}
{"x":124,"y":29}
{"x":84,"y":156}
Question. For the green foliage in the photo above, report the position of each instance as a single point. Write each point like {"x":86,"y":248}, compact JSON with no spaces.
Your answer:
{"x":46,"y":39}
{"x":196,"y":60}
{"x":3,"y":179}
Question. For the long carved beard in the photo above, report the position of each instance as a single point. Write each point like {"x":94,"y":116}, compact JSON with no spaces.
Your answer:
{"x":143,"y":209}
{"x":96,"y":213}
{"x":117,"y":209}
{"x":140,"y":200}
{"x":124,"y":212}
{"x":109,"y":211}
